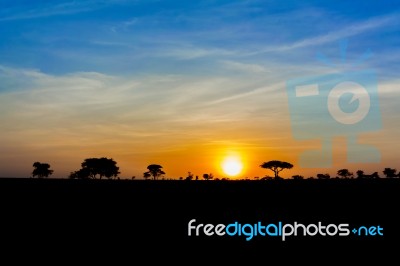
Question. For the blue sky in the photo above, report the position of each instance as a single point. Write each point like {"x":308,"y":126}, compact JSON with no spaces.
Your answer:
{"x":219,"y":66}
{"x":132,"y":37}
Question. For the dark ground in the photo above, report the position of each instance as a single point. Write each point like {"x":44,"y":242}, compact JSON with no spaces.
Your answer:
{"x":132,"y":218}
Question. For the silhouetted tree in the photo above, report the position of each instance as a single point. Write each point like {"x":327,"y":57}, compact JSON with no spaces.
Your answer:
{"x":360,"y":174}
{"x":344,"y":173}
{"x":323,"y":176}
{"x":103,"y":167}
{"x":93,"y":167}
{"x":256,"y":178}
{"x":41,"y":170}
{"x":189,"y":177}
{"x":276,"y":167}
{"x":298,"y":177}
{"x":208,"y":176}
{"x":389,"y":172}
{"x":154,"y":171}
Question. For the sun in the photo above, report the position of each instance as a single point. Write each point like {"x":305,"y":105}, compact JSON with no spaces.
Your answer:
{"x":232,"y":166}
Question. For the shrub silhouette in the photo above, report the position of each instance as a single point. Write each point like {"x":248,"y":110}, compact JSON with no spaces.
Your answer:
{"x":323,"y":176}
{"x":298,"y":177}
{"x":208,"y":176}
{"x":189,"y":177}
{"x":361,"y":174}
{"x":389,"y":172}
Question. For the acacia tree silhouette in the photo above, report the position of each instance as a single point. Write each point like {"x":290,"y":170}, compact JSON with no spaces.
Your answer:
{"x":154,"y":171}
{"x":41,"y":170}
{"x":92,"y":167}
{"x":276,"y":167}
{"x":345,"y":173}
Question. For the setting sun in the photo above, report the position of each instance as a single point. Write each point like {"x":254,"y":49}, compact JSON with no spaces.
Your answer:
{"x":232,"y":166}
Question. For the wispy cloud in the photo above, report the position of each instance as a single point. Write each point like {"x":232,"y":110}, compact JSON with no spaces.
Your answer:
{"x":65,"y":8}
{"x":112,"y":44}
{"x":192,"y":52}
{"x":266,"y":90}
{"x":89,"y":98}
{"x":243,"y":67}
{"x":348,"y":31}
{"x":124,"y":25}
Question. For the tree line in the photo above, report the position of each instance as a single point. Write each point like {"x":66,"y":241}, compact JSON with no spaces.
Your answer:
{"x":99,"y":168}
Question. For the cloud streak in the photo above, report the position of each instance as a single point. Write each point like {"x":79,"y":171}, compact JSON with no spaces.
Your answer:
{"x":348,"y":31}
{"x":243,"y":67}
{"x":65,"y":8}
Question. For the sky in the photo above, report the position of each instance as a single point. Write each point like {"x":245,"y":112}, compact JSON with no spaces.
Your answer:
{"x":186,"y":84}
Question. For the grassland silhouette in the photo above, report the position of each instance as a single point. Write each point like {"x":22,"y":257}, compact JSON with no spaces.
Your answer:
{"x":106,"y":168}
{"x":94,"y":207}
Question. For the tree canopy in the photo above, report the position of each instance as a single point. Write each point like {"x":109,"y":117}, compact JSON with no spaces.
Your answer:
{"x":389,"y":172}
{"x":154,"y":170}
{"x":345,"y":173}
{"x":93,"y":167}
{"x":41,"y":170}
{"x":276,"y":167}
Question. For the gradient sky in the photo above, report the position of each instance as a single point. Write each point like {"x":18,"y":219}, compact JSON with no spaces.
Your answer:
{"x":181,"y":83}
